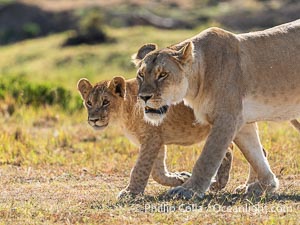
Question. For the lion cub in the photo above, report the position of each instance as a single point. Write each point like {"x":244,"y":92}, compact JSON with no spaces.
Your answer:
{"x":114,"y":102}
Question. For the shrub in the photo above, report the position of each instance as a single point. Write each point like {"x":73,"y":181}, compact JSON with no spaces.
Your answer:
{"x":89,"y":30}
{"x":26,"y":93}
{"x":31,"y":30}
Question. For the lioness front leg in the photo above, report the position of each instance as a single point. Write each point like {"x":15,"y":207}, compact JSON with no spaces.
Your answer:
{"x":248,"y":142}
{"x":141,"y":171}
{"x":221,"y":135}
{"x":161,"y":174}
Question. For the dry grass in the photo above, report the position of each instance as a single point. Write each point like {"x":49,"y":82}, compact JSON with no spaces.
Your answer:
{"x":61,"y":171}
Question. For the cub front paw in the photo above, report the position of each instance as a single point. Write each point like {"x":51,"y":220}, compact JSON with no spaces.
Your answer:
{"x":241,"y":189}
{"x":216,"y":186}
{"x":171,"y":179}
{"x":182,"y":176}
{"x":181,"y":192}
{"x":126,"y":194}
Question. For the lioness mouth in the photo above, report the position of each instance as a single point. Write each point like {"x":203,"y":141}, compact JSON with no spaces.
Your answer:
{"x":161,"y":110}
{"x":99,"y":127}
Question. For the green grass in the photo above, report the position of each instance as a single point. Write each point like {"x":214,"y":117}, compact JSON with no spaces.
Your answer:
{"x":55,"y":169}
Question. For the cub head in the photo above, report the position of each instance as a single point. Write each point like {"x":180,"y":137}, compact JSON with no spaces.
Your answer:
{"x":161,"y":76}
{"x":102,"y":101}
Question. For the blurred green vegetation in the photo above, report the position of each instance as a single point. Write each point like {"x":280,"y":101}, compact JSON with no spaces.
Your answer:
{"x":40,"y":18}
{"x":24,"y":92}
{"x":90,"y":30}
{"x":31,"y":30}
{"x":43,"y":59}
{"x":41,"y":72}
{"x":3,"y":2}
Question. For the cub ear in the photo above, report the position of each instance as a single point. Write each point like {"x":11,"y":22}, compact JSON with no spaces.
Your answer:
{"x":84,"y":87}
{"x":118,"y":86}
{"x":142,"y":52}
{"x":185,"y":53}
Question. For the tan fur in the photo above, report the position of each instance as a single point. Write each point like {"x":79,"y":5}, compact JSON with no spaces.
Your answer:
{"x":231,"y":81}
{"x":178,"y":128}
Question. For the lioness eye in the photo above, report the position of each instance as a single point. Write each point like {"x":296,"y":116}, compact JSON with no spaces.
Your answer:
{"x":140,"y":76}
{"x":105,"y":102}
{"x":162,"y":75}
{"x":89,"y":104}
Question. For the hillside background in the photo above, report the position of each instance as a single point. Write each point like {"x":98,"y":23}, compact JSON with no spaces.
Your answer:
{"x":59,"y":41}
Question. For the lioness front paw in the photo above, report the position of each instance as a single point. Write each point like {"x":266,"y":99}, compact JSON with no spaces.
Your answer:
{"x":184,"y":193}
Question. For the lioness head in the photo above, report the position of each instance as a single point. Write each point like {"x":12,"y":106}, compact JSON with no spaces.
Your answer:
{"x":161,"y":78}
{"x":102,"y":101}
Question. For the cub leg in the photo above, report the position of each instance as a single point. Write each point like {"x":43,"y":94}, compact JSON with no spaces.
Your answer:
{"x":141,"y":171}
{"x":223,"y":174}
{"x":160,"y":172}
{"x":248,"y":142}
{"x":222,"y":133}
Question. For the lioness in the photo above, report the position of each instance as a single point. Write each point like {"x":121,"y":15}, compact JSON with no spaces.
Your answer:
{"x":231,"y":81}
{"x":114,"y":102}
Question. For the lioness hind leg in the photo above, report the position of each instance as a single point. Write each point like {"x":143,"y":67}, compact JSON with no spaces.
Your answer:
{"x":248,"y":142}
{"x":252,"y":174}
{"x":161,"y":174}
{"x":223,"y":174}
{"x":252,"y":177}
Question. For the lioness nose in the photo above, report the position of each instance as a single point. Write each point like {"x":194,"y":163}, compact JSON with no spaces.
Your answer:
{"x":145,"y":97}
{"x":93,"y":120}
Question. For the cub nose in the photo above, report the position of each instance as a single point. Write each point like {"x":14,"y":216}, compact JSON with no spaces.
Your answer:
{"x":145,"y":97}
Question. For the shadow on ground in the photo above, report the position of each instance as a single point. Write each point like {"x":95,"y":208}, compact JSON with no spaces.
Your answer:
{"x":224,"y":199}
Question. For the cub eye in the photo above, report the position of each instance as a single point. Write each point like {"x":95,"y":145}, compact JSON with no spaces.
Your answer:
{"x":140,"y":75}
{"x":162,"y":75}
{"x":105,"y":102}
{"x":89,"y":104}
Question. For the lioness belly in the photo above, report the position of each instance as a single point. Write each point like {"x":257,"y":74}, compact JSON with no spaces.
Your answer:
{"x":257,"y":110}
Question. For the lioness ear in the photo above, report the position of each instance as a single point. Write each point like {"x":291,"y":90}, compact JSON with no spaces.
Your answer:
{"x":142,"y":52}
{"x":185,"y":53}
{"x":118,"y":86}
{"x":84,"y":87}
